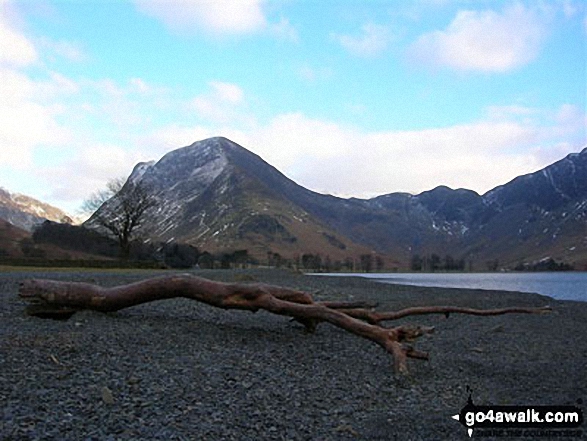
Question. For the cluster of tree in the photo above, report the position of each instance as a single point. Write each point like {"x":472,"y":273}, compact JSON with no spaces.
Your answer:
{"x":177,"y":255}
{"x":315,"y":262}
{"x":227,"y":260}
{"x":305,"y":261}
{"x":171,"y":254}
{"x":75,"y":238}
{"x":369,"y":262}
{"x":30,"y":250}
{"x":81,"y":239}
{"x":276,"y":260}
{"x":544,"y":265}
{"x":434,"y":262}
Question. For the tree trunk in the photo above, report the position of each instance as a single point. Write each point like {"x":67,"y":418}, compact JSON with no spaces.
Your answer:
{"x":56,"y":299}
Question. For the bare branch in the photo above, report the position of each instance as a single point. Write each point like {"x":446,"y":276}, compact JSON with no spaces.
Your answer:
{"x":375,"y":318}
{"x":97,"y":199}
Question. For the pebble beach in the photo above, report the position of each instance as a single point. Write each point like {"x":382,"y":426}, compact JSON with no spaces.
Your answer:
{"x":180,"y":370}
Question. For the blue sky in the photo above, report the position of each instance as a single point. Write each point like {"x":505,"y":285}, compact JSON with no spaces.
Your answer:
{"x":348,"y":97}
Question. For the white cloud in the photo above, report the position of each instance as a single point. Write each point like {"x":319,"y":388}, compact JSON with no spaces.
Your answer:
{"x":64,"y":49}
{"x":24,"y":127}
{"x":228,"y":92}
{"x":290,"y":139}
{"x":39,"y":115}
{"x":336,"y":159}
{"x":134,"y":87}
{"x":140,"y":86}
{"x":567,"y":121}
{"x":569,"y":113}
{"x":15,"y":86}
{"x":87,"y":170}
{"x":15,"y":48}
{"x":333,"y":158}
{"x":174,"y":136}
{"x":513,"y":109}
{"x":51,"y":128}
{"x":30,"y":109}
{"x":56,"y":85}
{"x":485,"y":41}
{"x":224,"y":103}
{"x":284,"y":30}
{"x":217,"y":17}
{"x":373,"y":40}
{"x":26,"y":122}
{"x":571,"y":124}
{"x":127,"y":105}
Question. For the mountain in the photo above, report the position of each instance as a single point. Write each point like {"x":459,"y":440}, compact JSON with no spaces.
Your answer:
{"x":538,"y":215}
{"x":25,"y":212}
{"x":217,"y":195}
{"x":533,"y":217}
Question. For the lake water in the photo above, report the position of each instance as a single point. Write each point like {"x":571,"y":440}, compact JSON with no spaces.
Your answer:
{"x":559,"y":285}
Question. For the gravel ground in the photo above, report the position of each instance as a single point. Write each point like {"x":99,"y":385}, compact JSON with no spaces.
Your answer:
{"x":179,"y":370}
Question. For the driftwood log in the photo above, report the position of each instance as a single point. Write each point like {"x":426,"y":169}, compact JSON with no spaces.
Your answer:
{"x":56,"y":299}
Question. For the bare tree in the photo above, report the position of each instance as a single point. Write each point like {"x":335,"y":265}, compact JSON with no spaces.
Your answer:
{"x":120,"y":209}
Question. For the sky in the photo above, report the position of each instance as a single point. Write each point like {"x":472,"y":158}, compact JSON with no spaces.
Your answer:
{"x":347,"y":97}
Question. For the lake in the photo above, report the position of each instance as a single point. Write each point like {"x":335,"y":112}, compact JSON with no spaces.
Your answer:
{"x":559,"y":285}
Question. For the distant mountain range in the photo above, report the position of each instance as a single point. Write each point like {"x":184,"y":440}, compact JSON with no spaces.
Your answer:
{"x":25,"y":212}
{"x":217,"y":195}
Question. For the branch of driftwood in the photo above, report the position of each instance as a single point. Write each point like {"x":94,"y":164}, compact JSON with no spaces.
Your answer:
{"x":57,"y":299}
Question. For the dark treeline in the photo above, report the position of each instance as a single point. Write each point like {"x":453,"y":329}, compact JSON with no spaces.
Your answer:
{"x":302,"y":262}
{"x":80,"y":239}
{"x":180,"y":255}
{"x":434,"y":262}
{"x":75,"y":238}
{"x":316,"y":262}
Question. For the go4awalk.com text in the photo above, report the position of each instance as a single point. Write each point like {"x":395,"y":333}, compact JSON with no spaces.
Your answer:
{"x":521,"y":421}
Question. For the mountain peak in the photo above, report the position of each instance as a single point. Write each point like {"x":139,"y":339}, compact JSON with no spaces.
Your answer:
{"x":216,"y":143}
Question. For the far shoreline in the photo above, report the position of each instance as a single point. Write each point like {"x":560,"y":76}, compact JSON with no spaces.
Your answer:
{"x":555,"y":284}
